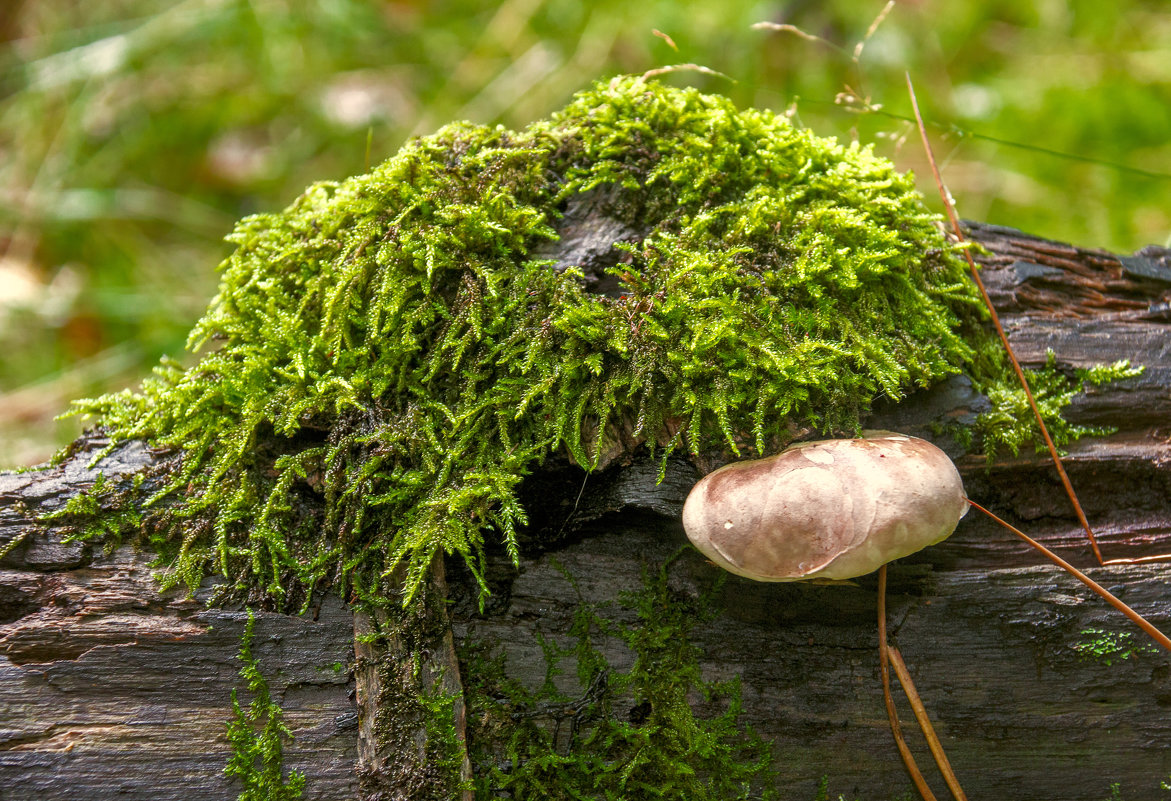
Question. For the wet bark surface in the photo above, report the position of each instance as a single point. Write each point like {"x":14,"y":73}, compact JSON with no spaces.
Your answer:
{"x":111,"y":689}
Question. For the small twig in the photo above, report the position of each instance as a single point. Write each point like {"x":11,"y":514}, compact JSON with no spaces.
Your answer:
{"x":793,"y":29}
{"x":576,"y":501}
{"x":858,"y":48}
{"x":685,"y":68}
{"x":670,"y":42}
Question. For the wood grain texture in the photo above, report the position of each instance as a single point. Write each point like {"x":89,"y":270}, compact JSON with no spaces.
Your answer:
{"x":110,"y":690}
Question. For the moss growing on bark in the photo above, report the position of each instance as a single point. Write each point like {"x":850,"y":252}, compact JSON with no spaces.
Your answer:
{"x":627,"y":732}
{"x":257,"y":735}
{"x":1010,"y":424}
{"x":389,"y":348}
{"x":408,"y":701}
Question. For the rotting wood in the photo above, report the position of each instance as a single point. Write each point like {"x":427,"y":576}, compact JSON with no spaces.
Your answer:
{"x":400,"y":656}
{"x":110,"y":689}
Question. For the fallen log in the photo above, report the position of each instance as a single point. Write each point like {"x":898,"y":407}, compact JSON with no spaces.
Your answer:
{"x":110,"y":688}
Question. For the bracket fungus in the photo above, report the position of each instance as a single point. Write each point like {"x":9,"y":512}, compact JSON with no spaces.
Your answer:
{"x":832,"y":509}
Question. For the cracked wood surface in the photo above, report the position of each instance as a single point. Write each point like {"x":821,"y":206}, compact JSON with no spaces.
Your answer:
{"x":400,"y":655}
{"x":110,"y":689}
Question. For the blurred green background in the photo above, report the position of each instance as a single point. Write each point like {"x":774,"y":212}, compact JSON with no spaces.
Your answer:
{"x":134,"y":132}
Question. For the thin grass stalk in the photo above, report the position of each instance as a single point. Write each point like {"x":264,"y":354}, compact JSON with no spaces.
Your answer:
{"x":904,"y":677}
{"x":1016,"y":365}
{"x":892,"y":714}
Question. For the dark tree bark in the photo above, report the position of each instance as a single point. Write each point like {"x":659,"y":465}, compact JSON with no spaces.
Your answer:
{"x":109,"y":688}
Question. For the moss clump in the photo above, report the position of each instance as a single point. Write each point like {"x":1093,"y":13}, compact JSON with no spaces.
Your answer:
{"x":628,"y":733}
{"x":101,"y":512}
{"x":390,"y":350}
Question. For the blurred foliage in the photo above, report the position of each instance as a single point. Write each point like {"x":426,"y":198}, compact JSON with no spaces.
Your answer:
{"x":133,"y":132}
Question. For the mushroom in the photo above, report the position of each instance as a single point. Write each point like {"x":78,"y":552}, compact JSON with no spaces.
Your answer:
{"x":833,"y":509}
{"x":838,"y":509}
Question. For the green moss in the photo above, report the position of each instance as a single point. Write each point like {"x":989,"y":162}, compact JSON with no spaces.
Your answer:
{"x":12,"y":544}
{"x":257,"y":736}
{"x":414,"y":709}
{"x":100,"y":513}
{"x":629,"y":733}
{"x":1010,"y":423}
{"x":390,"y":350}
{"x":1108,"y":646}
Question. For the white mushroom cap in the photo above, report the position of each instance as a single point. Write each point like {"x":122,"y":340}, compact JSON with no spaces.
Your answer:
{"x":830,"y":509}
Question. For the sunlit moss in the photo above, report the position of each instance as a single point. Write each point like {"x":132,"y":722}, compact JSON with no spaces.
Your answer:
{"x":100,"y":513}
{"x":388,"y":349}
{"x":1010,"y":423}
